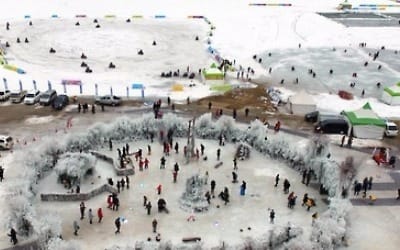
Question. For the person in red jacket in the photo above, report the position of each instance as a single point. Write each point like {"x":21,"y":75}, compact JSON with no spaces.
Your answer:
{"x":159,"y":187}
{"x":109,"y":201}
{"x":100,"y":214}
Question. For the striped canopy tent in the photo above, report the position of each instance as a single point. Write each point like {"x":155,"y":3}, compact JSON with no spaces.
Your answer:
{"x":391,"y":95}
{"x":365,"y":123}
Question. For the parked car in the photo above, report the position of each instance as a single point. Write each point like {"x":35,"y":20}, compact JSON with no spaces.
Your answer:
{"x":391,"y":129}
{"x":311,"y":117}
{"x":17,"y":96}
{"x":332,"y":126}
{"x":108,"y":100}
{"x":6,"y":142}
{"x":60,"y":102}
{"x":32,"y":97}
{"x":48,"y":97}
{"x":4,"y":95}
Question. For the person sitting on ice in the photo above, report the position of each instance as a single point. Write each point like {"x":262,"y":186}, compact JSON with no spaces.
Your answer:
{"x":83,"y":56}
{"x":18,"y":40}
{"x":98,"y":26}
{"x":140,"y":52}
{"x":88,"y":70}
{"x":83,"y":64}
{"x":7,"y":45}
{"x":154,"y":43}
{"x":52,"y":50}
{"x":128,"y":20}
{"x":26,"y":40}
{"x":111,"y":65}
{"x":77,"y":24}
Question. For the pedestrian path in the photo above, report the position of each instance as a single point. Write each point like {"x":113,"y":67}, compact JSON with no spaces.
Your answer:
{"x":377,"y":202}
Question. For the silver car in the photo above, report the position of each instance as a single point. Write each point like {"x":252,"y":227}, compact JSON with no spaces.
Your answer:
{"x":108,"y":100}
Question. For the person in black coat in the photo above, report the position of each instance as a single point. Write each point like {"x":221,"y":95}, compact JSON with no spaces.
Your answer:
{"x":13,"y":236}
{"x":213,"y":184}
{"x":1,"y":174}
{"x":276,"y":180}
{"x":272,"y":216}
{"x":118,"y":225}
{"x":148,"y":207}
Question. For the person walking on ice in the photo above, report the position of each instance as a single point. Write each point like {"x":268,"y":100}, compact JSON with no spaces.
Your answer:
{"x":118,"y":225}
{"x":243,"y":188}
{"x":76,"y":227}
{"x":159,"y":188}
{"x":82,"y":209}
{"x":90,"y":216}
{"x":235,"y":164}
{"x":148,"y":207}
{"x":272,"y":216}
{"x":100,"y":214}
{"x":276,"y":180}
{"x":154,"y":225}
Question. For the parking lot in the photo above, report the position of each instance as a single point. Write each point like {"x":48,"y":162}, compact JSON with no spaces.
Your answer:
{"x":355,"y":19}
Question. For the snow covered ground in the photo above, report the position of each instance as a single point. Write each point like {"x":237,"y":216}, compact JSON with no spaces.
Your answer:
{"x":216,"y":225}
{"x":240,"y":33}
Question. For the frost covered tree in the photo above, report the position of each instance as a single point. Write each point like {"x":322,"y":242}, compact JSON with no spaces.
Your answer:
{"x":59,"y":244}
{"x":348,"y":170}
{"x":75,"y":166}
{"x":21,"y":215}
{"x":329,"y":230}
{"x":193,"y":198}
{"x":47,"y":226}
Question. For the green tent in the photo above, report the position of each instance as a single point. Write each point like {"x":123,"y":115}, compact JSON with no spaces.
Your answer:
{"x":213,"y":73}
{"x":365,"y":123}
{"x":391,"y":95}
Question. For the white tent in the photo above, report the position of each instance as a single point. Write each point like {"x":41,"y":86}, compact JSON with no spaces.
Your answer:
{"x":365,"y":123}
{"x":391,"y":95}
{"x":301,"y":103}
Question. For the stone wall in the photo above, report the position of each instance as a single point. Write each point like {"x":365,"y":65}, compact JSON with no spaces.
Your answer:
{"x":118,"y":171}
{"x":78,"y":197}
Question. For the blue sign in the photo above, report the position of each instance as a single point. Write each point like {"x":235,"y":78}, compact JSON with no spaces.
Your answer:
{"x":137,"y":86}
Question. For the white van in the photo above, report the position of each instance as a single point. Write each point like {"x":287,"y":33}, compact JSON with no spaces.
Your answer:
{"x":32,"y":97}
{"x":6,"y":142}
{"x":391,"y":129}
